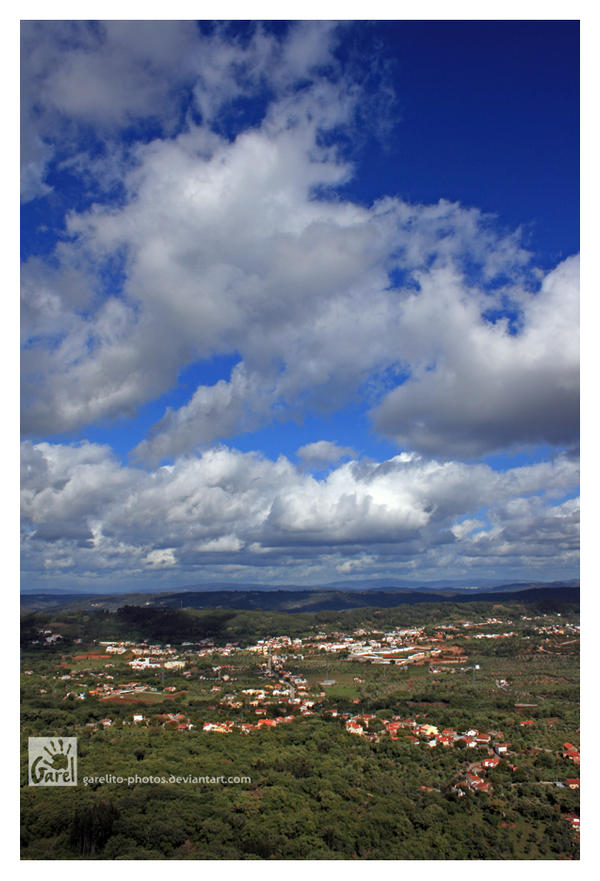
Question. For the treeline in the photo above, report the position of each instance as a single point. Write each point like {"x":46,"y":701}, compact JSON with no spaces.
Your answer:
{"x":167,"y":624}
{"x":128,"y":623}
{"x":315,"y":793}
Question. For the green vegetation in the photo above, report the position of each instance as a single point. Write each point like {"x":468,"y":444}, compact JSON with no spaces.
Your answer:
{"x":315,"y":790}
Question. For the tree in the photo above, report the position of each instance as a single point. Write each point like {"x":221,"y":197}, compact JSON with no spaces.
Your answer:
{"x":91,"y":826}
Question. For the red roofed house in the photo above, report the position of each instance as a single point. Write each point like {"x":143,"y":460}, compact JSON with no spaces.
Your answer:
{"x":478,"y":783}
{"x":491,"y":762}
{"x":482,"y":787}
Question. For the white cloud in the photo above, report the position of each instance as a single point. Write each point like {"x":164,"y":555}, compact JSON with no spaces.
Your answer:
{"x":213,"y":411}
{"x":322,"y":453}
{"x":223,"y":544}
{"x":227,"y":508}
{"x":354,"y":564}
{"x":466,"y":527}
{"x":160,"y":557}
{"x":474,"y":387}
{"x":239,"y":245}
{"x":226,"y":248}
{"x":109,"y":74}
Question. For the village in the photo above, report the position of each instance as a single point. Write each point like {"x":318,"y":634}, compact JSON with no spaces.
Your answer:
{"x":476,"y":711}
{"x":281,"y":695}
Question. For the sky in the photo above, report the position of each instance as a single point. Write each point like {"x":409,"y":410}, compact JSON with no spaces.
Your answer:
{"x":300,"y":303}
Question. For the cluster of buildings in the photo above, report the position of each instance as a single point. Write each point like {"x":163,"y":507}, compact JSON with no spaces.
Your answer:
{"x":571,"y":753}
{"x":427,"y":733}
{"x":104,"y":687}
{"x":491,"y":635}
{"x":564,"y":628}
{"x":431,"y":736}
{"x":400,"y":646}
{"x":47,"y":637}
{"x":573,"y":821}
{"x":107,"y":690}
{"x":245,"y":727}
{"x":147,"y":657}
{"x":149,"y":663}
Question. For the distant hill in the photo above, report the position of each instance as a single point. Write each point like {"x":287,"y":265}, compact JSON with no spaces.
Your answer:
{"x":302,"y":600}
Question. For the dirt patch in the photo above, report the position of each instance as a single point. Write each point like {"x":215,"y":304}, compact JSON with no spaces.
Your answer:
{"x":452,"y":651}
{"x":93,"y":656}
{"x":552,"y":680}
{"x":127,"y":699}
{"x":139,"y":698}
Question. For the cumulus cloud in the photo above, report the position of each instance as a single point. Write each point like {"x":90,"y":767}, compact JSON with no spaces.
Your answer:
{"x":227,"y":244}
{"x":227,"y":508}
{"x":225,"y":247}
{"x":476,"y":387}
{"x":223,"y":233}
{"x":322,"y":453}
{"x":160,"y":557}
{"x":216,"y":411}
{"x":103,"y":76}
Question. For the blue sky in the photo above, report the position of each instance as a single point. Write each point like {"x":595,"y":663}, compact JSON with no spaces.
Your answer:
{"x":299,"y":302}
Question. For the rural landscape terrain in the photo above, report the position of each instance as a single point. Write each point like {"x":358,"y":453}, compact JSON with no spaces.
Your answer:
{"x":300,"y":440}
{"x":424,"y":730}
